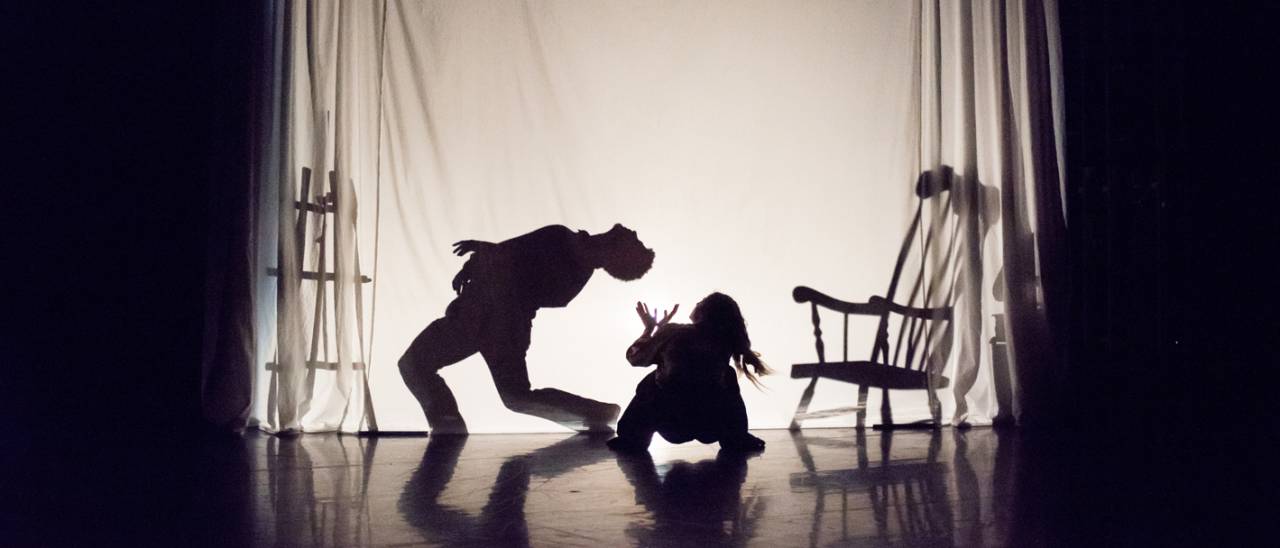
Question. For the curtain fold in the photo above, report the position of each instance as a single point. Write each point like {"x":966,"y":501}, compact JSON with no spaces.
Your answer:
{"x":992,"y":110}
{"x":755,"y":145}
{"x":294,"y":360}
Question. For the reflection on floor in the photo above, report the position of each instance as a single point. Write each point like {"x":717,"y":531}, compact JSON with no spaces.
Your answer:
{"x":816,"y":488}
{"x":820,"y":487}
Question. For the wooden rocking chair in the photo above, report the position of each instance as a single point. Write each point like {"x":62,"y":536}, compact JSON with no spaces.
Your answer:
{"x":924,"y":335}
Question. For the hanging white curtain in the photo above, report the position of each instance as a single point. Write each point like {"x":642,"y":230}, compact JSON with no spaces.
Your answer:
{"x":755,"y":146}
{"x":318,"y":158}
{"x":991,"y":108}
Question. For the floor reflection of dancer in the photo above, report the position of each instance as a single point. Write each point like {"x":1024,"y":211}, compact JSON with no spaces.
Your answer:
{"x":698,"y":504}
{"x":500,"y":289}
{"x":502,"y":521}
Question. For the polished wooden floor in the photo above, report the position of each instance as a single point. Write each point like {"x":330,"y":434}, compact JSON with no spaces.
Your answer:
{"x":820,"y":487}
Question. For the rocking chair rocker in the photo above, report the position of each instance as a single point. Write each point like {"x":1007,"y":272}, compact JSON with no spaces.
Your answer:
{"x":924,"y":334}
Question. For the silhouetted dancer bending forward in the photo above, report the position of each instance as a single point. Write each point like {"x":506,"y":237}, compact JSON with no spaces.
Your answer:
{"x":500,"y":289}
{"x":693,"y":394}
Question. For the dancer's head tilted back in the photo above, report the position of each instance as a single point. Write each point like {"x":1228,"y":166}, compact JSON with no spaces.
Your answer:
{"x":718,"y":314}
{"x":621,"y":253}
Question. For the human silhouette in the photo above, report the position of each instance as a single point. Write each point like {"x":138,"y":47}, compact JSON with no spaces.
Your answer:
{"x":500,"y":289}
{"x":694,"y":392}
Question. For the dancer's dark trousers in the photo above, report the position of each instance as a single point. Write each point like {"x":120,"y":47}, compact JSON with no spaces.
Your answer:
{"x":682,"y":413}
{"x":501,"y":335}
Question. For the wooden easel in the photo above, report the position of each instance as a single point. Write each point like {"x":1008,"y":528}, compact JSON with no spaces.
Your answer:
{"x":318,"y":355}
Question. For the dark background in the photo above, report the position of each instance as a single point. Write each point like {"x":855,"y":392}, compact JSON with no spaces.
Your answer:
{"x":127,"y":120}
{"x":127,"y":115}
{"x":1171,"y":163}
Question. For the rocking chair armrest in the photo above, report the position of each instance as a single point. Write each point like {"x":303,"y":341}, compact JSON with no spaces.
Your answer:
{"x":875,"y":306}
{"x":803,"y":294}
{"x":935,"y":313}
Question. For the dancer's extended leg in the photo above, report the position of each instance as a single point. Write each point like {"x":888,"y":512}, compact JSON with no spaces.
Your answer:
{"x":445,"y":342}
{"x":506,"y":342}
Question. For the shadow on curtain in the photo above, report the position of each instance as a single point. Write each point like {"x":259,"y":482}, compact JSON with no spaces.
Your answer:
{"x":427,"y":123}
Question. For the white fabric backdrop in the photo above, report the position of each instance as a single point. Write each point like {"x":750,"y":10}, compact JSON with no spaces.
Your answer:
{"x":755,"y":146}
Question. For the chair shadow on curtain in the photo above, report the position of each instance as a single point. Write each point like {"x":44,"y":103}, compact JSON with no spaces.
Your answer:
{"x":953,"y":216}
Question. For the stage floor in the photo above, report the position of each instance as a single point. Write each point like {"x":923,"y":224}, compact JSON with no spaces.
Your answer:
{"x":819,"y":487}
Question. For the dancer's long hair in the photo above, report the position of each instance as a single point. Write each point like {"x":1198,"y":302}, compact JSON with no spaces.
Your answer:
{"x":719,"y":315}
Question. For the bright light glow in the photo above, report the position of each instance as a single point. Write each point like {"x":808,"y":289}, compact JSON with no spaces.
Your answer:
{"x":754,"y":146}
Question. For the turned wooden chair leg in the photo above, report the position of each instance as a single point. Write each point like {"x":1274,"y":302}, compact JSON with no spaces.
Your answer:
{"x":886,"y":413}
{"x":935,"y":406}
{"x":862,"y":405}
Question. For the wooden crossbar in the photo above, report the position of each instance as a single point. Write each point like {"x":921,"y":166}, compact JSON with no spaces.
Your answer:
{"x":326,"y":366}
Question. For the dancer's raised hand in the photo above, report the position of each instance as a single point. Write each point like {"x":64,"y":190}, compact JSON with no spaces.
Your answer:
{"x":468,"y":246}
{"x":650,"y":318}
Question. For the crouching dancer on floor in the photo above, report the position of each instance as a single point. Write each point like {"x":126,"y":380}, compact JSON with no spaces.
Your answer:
{"x":500,"y":289}
{"x":693,"y":394}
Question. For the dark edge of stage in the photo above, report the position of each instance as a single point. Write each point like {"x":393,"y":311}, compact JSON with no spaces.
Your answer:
{"x":127,"y":119}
